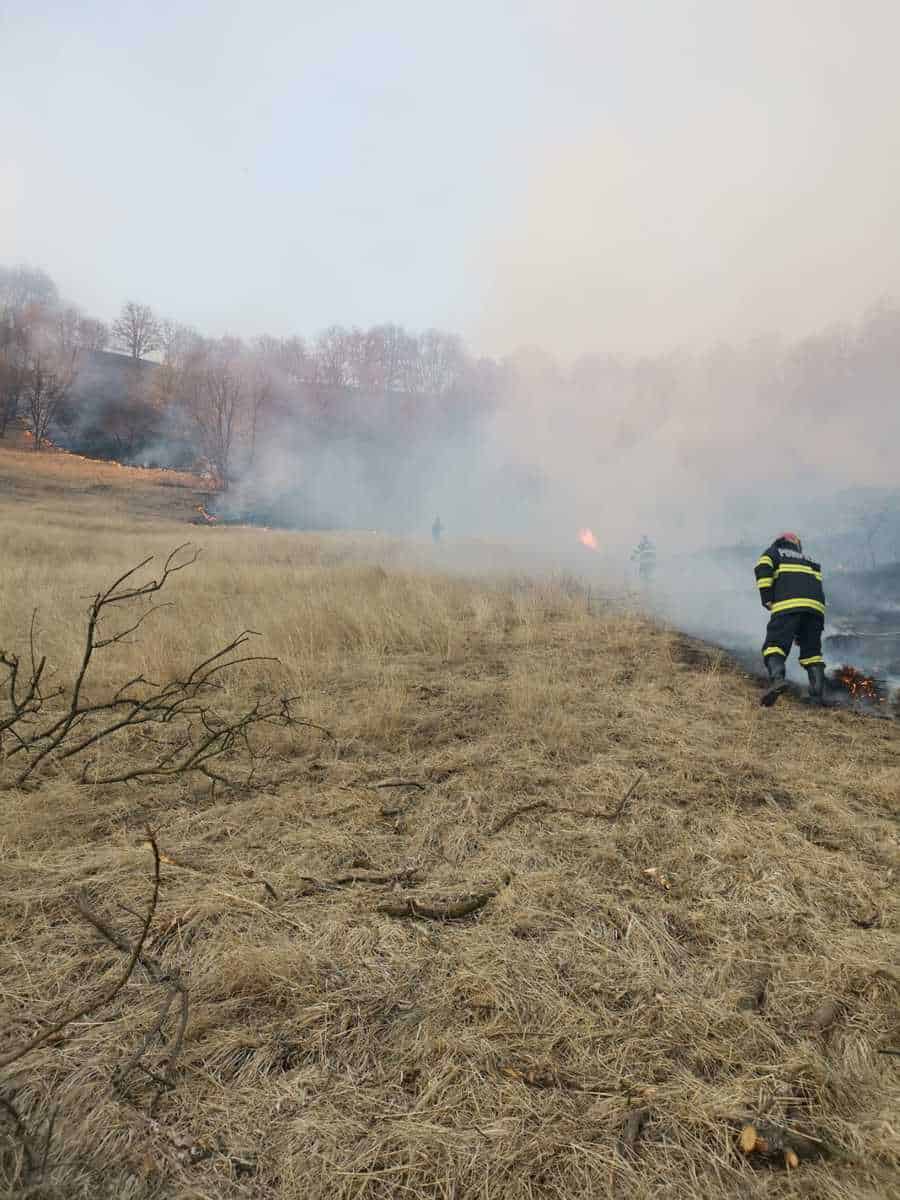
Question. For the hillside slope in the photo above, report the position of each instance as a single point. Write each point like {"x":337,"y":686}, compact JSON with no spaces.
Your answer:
{"x":689,"y":915}
{"x":54,"y":481}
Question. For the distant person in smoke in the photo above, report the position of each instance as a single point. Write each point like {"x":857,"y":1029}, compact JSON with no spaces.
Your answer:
{"x":790,"y":587}
{"x":437,"y":530}
{"x":644,"y":554}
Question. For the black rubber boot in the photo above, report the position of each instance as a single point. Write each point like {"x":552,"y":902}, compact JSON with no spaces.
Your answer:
{"x":777,"y":681}
{"x":816,"y":674}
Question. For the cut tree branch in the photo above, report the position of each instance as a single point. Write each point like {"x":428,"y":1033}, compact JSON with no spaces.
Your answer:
{"x":190,"y":734}
{"x":509,"y":817}
{"x":110,"y":993}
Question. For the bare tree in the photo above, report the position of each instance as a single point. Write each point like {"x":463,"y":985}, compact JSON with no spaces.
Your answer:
{"x":24,"y":287}
{"x":874,"y":517}
{"x":295,"y":360}
{"x":331,"y":356}
{"x":49,"y":380}
{"x":137,"y":330}
{"x":133,"y":421}
{"x":92,"y":334}
{"x":285,"y":357}
{"x":358,"y":361}
{"x":183,"y":353}
{"x":439,"y":363}
{"x":72,"y":330}
{"x":259,"y":396}
{"x":42,"y":729}
{"x":66,"y":326}
{"x":390,"y":349}
{"x":177,"y":342}
{"x":13,"y":379}
{"x":15,"y":342}
{"x":215,"y":394}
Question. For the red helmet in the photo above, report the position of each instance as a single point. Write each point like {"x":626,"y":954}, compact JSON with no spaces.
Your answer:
{"x":792,"y":538}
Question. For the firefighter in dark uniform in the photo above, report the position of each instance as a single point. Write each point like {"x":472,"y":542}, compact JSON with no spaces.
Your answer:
{"x":644,"y":554}
{"x":790,"y":587}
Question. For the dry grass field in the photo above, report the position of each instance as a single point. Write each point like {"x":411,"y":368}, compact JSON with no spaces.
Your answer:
{"x":636,"y":983}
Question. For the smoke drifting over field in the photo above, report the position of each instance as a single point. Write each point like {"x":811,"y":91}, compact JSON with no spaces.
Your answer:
{"x":722,"y":446}
{"x":689,"y":207}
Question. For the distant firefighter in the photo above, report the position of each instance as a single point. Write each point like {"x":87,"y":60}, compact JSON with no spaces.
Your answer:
{"x":790,"y":587}
{"x":644,"y":554}
{"x":437,"y":530}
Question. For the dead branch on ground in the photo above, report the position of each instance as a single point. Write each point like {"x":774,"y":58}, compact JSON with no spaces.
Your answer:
{"x":451,"y":911}
{"x":105,"y":997}
{"x":176,"y":722}
{"x":51,"y":1034}
{"x":518,"y":812}
{"x":434,"y":912}
{"x":620,"y":808}
{"x":407,"y":876}
{"x":175,"y":989}
{"x":20,"y":1131}
{"x":509,"y":817}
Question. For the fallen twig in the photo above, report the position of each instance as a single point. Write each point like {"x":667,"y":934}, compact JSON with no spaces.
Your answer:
{"x":7,"y":1106}
{"x":254,"y":880}
{"x":408,"y":876}
{"x":48,"y":1140}
{"x":620,"y":808}
{"x":148,"y":1037}
{"x":135,"y":955}
{"x":518,"y":812}
{"x":435,"y":912}
{"x":179,"y":924}
{"x":578,"y":812}
{"x":339,"y":812}
{"x":158,"y":974}
{"x":175,"y":721}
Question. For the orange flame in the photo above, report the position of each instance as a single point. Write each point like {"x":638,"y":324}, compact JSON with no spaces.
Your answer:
{"x":586,"y":537}
{"x":860,"y":687}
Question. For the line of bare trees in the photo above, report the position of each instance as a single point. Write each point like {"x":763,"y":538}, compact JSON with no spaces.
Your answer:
{"x":216,"y":396}
{"x":40,"y":341}
{"x":228,"y":391}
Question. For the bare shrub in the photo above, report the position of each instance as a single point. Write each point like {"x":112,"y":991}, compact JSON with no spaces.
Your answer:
{"x":168,"y":729}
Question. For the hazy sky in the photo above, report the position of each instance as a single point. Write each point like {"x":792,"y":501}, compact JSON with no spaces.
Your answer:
{"x":583,"y":174}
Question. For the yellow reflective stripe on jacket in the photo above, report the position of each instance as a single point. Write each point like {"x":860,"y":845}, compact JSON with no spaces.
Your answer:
{"x":765,"y":561}
{"x":808,"y":662}
{"x":767,"y":582}
{"x":797,"y":568}
{"x":773,"y":650}
{"x":785,"y":605}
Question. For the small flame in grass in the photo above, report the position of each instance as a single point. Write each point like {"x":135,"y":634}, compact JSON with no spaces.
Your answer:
{"x":860,"y":687}
{"x":586,"y":537}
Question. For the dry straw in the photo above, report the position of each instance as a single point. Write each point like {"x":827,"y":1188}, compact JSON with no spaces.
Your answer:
{"x":639,"y":983}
